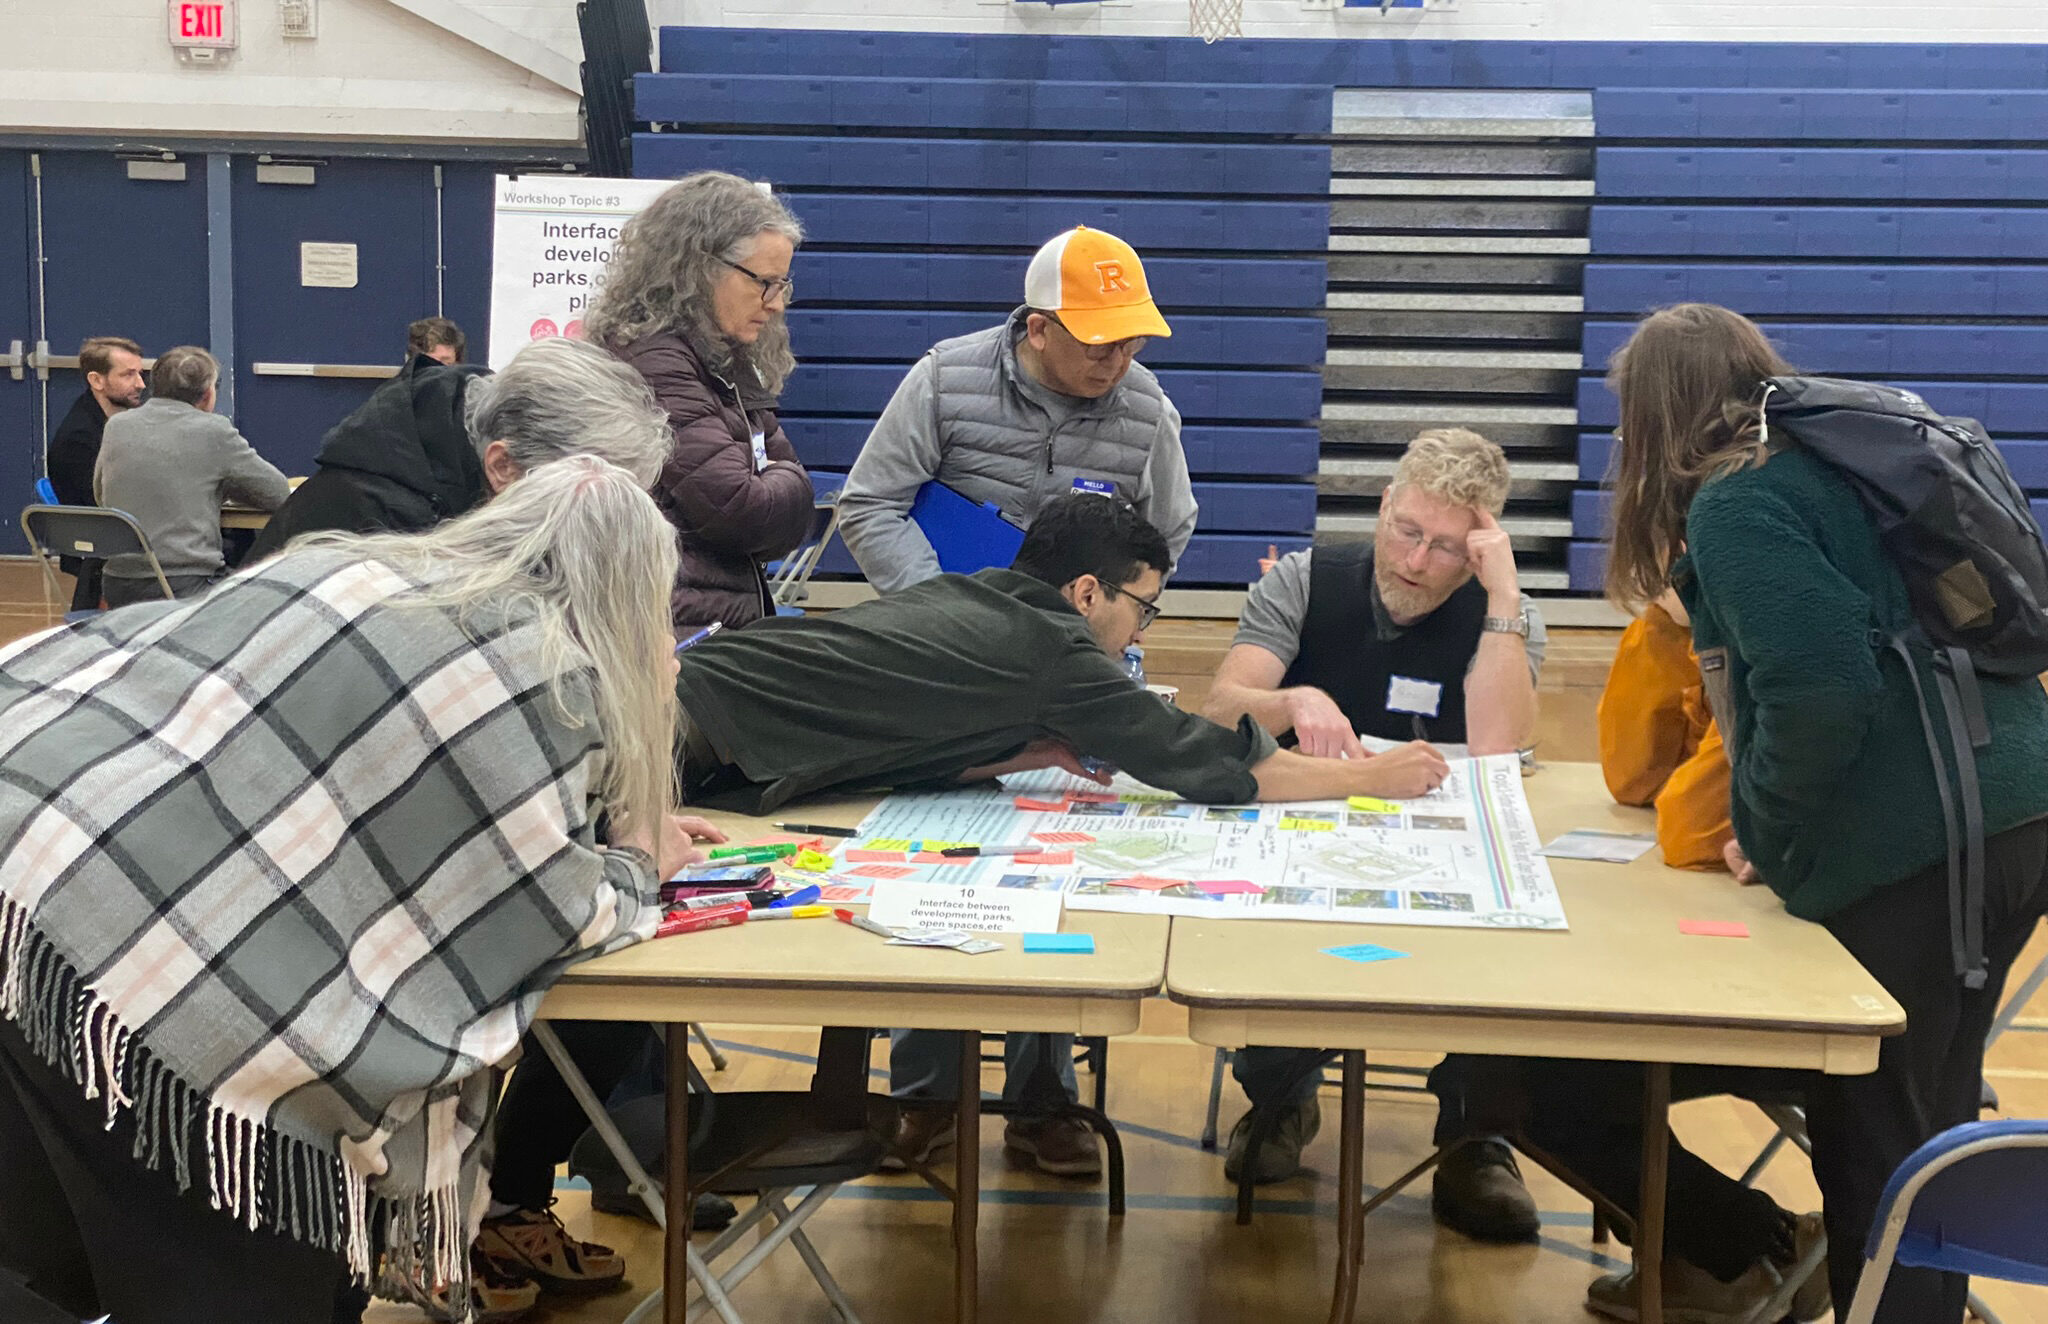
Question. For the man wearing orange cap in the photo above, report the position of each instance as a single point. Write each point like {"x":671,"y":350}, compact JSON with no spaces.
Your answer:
{"x":1051,"y":401}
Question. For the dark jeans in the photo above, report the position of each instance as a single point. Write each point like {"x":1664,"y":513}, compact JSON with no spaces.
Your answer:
{"x":539,"y":1121}
{"x":125,"y":592}
{"x":85,"y":593}
{"x":1587,"y":1114}
{"x":95,"y":1232}
{"x":1476,"y":1096}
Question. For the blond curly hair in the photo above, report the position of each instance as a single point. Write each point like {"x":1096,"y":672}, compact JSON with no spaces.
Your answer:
{"x":1458,"y":467}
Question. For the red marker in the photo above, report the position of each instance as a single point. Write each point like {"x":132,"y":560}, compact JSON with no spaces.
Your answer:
{"x":696,"y":921}
{"x":861,"y":922}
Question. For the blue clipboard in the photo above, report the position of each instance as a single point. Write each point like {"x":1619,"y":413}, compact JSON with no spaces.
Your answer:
{"x":967,"y":535}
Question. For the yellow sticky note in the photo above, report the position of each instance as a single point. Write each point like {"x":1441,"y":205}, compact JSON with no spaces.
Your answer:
{"x":811,"y":861}
{"x":1372,"y":806}
{"x":887,"y":843}
{"x":1148,"y":798}
{"x":1305,"y":825}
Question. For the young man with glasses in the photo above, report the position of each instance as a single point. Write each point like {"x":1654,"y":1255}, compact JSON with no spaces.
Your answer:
{"x":967,"y":677}
{"x":1050,"y":402}
{"x":1422,"y":633}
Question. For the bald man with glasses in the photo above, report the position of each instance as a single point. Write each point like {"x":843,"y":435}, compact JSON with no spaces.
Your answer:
{"x":1052,"y":401}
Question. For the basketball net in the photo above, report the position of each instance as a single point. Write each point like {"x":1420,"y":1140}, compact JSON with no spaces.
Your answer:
{"x":1211,"y":19}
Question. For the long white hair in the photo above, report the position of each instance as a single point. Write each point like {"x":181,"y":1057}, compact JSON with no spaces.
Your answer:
{"x":578,"y":545}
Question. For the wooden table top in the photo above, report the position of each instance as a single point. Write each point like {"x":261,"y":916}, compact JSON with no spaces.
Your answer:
{"x":1622,"y":983}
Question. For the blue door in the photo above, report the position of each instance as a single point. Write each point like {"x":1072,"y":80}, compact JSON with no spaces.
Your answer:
{"x":21,"y":429}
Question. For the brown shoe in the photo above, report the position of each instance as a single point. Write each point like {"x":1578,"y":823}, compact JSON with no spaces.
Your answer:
{"x":1063,"y":1146}
{"x":532,"y":1243}
{"x":920,"y":1134}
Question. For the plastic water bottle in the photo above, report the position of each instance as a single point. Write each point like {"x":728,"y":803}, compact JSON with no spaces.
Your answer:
{"x":1134,"y":663}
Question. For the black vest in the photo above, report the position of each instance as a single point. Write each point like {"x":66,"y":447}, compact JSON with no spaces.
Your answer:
{"x":1343,"y":655}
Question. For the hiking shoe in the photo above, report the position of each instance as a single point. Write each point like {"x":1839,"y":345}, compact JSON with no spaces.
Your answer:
{"x":533,"y":1243}
{"x":1280,"y":1156}
{"x":920,"y":1134}
{"x":1063,"y":1146}
{"x":1478,"y":1191}
{"x":710,"y":1213}
{"x":496,"y":1295}
{"x":1694,"y":1296}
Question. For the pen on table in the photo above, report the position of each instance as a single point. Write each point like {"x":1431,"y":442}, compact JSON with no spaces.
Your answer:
{"x":701,"y":635}
{"x":959,"y":852}
{"x":861,"y":922}
{"x":818,"y":830}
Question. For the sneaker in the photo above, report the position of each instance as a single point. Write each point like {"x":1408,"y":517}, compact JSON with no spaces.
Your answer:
{"x":1694,"y":1296}
{"x":1280,"y":1156}
{"x":496,"y":1295}
{"x":1478,"y":1191}
{"x":533,"y":1243}
{"x":1063,"y":1146}
{"x":920,"y":1134}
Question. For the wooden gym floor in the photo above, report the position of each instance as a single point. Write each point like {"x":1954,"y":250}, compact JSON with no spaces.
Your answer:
{"x":1050,"y":1253}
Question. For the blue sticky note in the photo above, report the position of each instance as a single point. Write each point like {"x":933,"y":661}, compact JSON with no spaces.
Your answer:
{"x":1082,"y":944}
{"x":1365,"y":952}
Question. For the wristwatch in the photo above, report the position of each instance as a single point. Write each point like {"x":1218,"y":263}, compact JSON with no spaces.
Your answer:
{"x":1516,"y":624}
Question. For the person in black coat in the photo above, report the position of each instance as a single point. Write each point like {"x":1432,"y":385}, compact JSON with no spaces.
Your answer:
{"x":113,"y":382}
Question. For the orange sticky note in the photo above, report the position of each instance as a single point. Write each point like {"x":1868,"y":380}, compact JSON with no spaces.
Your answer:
{"x":807,"y":843}
{"x":842,"y":893}
{"x":1031,"y":806}
{"x":1062,"y":838}
{"x":874,"y":857}
{"x":1713,"y":928}
{"x":1147,"y":883}
{"x":1046,"y":857}
{"x":933,"y":857}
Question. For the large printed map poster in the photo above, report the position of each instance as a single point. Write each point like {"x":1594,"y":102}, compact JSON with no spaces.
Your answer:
{"x":1465,"y":855}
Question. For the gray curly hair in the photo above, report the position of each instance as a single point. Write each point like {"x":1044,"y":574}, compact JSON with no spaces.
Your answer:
{"x":669,"y":259}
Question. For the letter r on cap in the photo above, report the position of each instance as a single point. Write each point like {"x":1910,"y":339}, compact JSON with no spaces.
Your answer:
{"x":1112,"y":275}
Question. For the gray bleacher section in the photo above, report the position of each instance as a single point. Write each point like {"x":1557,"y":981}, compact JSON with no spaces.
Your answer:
{"x":1880,"y":208}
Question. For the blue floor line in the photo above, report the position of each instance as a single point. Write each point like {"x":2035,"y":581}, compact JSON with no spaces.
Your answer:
{"x":1178,"y":1203}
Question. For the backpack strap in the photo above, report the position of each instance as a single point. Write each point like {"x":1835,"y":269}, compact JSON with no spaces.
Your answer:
{"x":1953,"y":673}
{"x":1958,"y":925}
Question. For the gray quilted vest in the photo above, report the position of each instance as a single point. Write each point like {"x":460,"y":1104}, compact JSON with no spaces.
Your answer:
{"x":1005,"y":439}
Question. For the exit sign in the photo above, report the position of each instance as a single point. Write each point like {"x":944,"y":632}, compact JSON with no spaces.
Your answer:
{"x":203,"y":24}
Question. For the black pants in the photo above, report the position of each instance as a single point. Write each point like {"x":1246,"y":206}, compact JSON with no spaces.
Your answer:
{"x":1588,"y":1114}
{"x":85,"y":591}
{"x":538,"y":1119}
{"x":95,"y":1232}
{"x":126,"y":592}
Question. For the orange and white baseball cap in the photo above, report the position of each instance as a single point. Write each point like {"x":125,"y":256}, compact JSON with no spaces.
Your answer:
{"x":1095,"y":282}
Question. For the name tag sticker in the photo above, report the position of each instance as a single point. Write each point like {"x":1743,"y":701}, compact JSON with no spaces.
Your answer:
{"x":1405,"y":694}
{"x":1095,"y":487}
{"x":760,"y":451}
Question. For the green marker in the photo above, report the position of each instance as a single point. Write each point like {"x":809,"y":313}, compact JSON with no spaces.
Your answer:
{"x":749,"y":854}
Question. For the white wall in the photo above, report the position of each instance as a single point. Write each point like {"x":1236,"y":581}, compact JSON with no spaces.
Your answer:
{"x":377,"y":70}
{"x":1523,"y":20}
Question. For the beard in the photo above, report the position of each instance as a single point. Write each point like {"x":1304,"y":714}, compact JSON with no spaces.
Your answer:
{"x":1410,"y":603}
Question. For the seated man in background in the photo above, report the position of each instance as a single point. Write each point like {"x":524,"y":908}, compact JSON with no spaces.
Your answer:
{"x":435,"y":338}
{"x":966,"y":677}
{"x":1659,"y":744}
{"x":113,"y":382}
{"x":170,"y":464}
{"x":1423,"y":631}
{"x":1054,"y":400}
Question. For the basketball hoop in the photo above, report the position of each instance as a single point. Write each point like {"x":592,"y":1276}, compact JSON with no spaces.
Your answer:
{"x":1211,"y":19}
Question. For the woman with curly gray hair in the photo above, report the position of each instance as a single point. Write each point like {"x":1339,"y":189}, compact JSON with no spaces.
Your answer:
{"x":694,"y":300}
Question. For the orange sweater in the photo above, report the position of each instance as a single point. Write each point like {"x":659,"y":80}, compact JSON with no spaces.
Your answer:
{"x":1659,"y":744}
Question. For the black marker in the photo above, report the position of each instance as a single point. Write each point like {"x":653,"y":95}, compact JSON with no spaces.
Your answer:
{"x":819,"y":829}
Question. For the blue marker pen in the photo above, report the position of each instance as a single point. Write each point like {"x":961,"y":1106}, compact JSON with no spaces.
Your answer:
{"x":701,"y":635}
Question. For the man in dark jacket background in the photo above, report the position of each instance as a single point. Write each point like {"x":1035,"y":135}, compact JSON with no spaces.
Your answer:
{"x":113,"y":382}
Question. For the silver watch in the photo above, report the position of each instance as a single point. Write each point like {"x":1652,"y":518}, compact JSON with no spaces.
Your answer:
{"x":1516,"y":624}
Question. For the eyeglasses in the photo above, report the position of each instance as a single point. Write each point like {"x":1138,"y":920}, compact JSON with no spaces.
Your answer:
{"x":1406,"y":537}
{"x":1130,"y":347}
{"x":770,"y":285}
{"x":1148,"y":608}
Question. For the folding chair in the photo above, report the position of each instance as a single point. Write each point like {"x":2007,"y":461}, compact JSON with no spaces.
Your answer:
{"x":764,"y":1143}
{"x":790,"y":584}
{"x":1972,"y":1200}
{"x":91,"y":533}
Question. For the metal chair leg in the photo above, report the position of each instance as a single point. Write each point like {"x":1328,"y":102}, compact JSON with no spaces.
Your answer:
{"x":1215,"y":1098}
{"x":717,"y":1058}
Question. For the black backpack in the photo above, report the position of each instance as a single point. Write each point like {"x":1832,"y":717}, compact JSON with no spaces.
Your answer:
{"x":1963,"y":538}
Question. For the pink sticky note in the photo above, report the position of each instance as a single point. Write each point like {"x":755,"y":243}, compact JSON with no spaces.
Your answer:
{"x":933,"y":857}
{"x":874,"y":857}
{"x":1713,"y":928}
{"x":1148,"y":884}
{"x":841,"y":893}
{"x":1091,"y":797}
{"x":1062,"y":838}
{"x":1046,"y":857}
{"x":1031,"y":806}
{"x":881,"y":871}
{"x":1229,"y":886}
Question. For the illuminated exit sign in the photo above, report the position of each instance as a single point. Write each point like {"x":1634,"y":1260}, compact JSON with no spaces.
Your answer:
{"x":202,"y":25}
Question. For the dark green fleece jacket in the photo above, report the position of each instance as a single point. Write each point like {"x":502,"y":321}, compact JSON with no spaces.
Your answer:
{"x":1834,"y":789}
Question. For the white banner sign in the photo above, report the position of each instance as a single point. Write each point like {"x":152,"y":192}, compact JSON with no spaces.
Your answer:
{"x":552,"y":237}
{"x":978,"y":909}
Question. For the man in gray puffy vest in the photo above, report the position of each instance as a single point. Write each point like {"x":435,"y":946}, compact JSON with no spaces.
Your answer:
{"x":1052,"y":401}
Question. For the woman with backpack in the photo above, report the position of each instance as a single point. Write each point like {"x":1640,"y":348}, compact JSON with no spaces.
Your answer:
{"x":1795,"y":606}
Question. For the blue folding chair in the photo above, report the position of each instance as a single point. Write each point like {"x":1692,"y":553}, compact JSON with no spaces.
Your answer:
{"x":1972,"y":1200}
